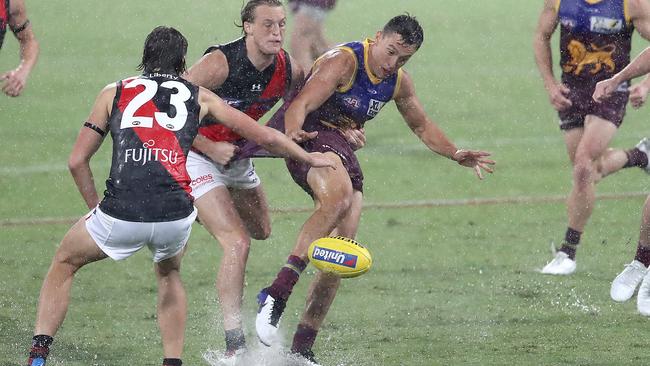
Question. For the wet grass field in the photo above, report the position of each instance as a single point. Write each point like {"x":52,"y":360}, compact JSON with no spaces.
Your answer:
{"x":451,"y":284}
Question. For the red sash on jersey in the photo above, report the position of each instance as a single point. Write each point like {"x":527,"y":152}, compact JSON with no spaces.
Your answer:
{"x":276,"y":87}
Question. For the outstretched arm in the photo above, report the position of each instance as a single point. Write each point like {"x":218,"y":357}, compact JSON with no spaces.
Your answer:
{"x":431,"y":135}
{"x":15,"y":80}
{"x":639,"y":66}
{"x":269,"y":138}
{"x":88,"y":142}
{"x":546,"y":25}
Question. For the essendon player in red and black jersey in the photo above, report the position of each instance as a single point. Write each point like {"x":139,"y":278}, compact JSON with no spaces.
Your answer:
{"x":251,"y":73}
{"x":152,"y":120}
{"x":14,"y":16}
{"x":148,"y":181}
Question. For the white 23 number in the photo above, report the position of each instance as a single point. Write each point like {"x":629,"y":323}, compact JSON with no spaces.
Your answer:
{"x":178,"y":99}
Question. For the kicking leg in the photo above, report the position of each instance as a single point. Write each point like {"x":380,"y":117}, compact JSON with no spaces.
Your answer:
{"x":323,"y":288}
{"x":333,"y":196}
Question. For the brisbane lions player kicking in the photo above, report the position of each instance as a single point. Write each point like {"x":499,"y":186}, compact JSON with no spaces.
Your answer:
{"x":153,"y":119}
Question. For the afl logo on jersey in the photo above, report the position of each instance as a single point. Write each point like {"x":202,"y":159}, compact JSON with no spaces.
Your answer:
{"x":352,"y":102}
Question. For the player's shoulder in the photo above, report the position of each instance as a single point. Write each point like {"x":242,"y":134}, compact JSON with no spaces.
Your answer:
{"x":339,"y":56}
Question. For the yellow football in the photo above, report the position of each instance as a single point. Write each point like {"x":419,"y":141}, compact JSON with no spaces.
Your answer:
{"x":341,"y":256}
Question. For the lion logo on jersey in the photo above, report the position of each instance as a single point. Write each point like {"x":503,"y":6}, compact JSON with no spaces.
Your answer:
{"x":581,"y":57}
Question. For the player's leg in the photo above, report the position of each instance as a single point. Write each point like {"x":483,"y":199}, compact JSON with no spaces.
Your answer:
{"x":307,"y":37}
{"x":253,"y":209}
{"x":76,"y":250}
{"x":172,"y":307}
{"x":323,"y":288}
{"x":643,"y":256}
{"x":628,"y":280}
{"x":219,"y":216}
{"x":333,"y":195}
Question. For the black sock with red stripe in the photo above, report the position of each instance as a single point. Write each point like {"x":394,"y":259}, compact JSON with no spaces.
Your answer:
{"x":172,"y":362}
{"x":40,"y":349}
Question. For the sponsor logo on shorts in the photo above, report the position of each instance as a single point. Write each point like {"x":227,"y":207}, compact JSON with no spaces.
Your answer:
{"x":207,"y":178}
{"x":374,"y":107}
{"x":150,"y":153}
{"x":334,"y":256}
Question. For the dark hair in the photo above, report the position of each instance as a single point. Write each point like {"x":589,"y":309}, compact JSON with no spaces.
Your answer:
{"x":164,"y":51}
{"x":408,"y":27}
{"x":248,"y":10}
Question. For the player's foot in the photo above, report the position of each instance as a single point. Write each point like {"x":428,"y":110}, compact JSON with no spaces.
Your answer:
{"x":38,"y":361}
{"x":560,"y":265}
{"x":268,"y":317}
{"x":229,"y":358}
{"x":643,"y":297}
{"x":626,"y":282}
{"x":307,"y":357}
{"x":644,"y":147}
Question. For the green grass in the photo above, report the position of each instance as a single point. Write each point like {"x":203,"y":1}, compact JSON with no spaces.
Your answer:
{"x":450,"y":285}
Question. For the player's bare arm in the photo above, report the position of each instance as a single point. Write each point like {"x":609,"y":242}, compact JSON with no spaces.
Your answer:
{"x":548,"y":21}
{"x":639,"y":11}
{"x":269,"y":138}
{"x":431,"y":135}
{"x":15,"y":80}
{"x":88,"y":142}
{"x":210,"y":72}
{"x":639,"y":66}
{"x":334,"y":70}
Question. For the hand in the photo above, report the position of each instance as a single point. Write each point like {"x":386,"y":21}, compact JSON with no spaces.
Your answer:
{"x":604,"y":89}
{"x":221,"y":152}
{"x":14,"y":82}
{"x":355,"y":137}
{"x":320,"y":160}
{"x":638,"y":95}
{"x":301,"y":136}
{"x":557,"y":95}
{"x":474,"y":159}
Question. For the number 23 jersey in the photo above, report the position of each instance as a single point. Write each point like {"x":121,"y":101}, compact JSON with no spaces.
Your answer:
{"x":153,"y":122}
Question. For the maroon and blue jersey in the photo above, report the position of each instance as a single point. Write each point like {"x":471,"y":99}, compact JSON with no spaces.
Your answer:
{"x":153,"y":122}
{"x":595,"y":40}
{"x":352,"y":105}
{"x":246,"y":88}
{"x":4,"y":19}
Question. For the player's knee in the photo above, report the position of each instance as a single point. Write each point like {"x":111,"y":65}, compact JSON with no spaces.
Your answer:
{"x":583,"y":172}
{"x":261,"y":232}
{"x":237,"y":247}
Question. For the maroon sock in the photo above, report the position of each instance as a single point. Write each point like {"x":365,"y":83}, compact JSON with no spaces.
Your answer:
{"x":643,"y":255}
{"x":287,"y":278}
{"x":637,"y":158}
{"x":304,"y":339}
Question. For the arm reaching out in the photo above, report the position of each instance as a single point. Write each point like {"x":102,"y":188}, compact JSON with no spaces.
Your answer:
{"x":272,"y":140}
{"x":431,"y":135}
